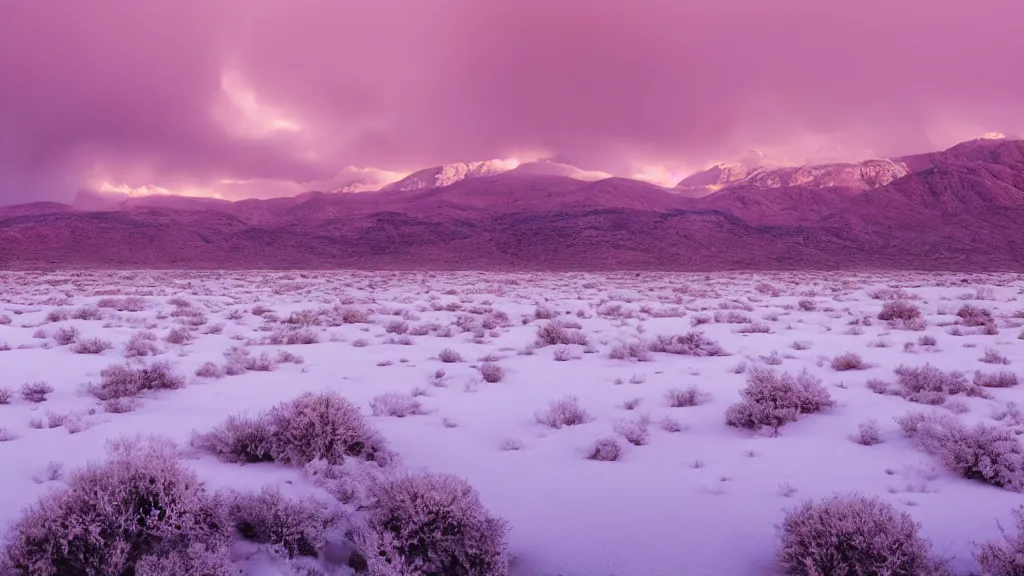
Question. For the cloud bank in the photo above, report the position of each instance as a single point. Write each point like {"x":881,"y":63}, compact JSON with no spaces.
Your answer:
{"x":266,"y":97}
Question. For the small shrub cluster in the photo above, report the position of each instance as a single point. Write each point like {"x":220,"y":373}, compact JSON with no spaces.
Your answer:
{"x":637,"y":350}
{"x":848,"y":361}
{"x":36,"y":392}
{"x":1006,"y":557}
{"x":560,"y":332}
{"x":899,"y":310}
{"x":930,"y":385}
{"x":1003,"y":379}
{"x":313,"y":426}
{"x":986,"y":453}
{"x":564,"y":412}
{"x":430,"y":524}
{"x":684,"y":398}
{"x":636,"y":431}
{"x":688,"y":344}
{"x":772,"y":399}
{"x":92,"y":346}
{"x":141,"y":344}
{"x":396,"y":405}
{"x":127,"y":380}
{"x":974,"y":316}
{"x":854,"y":535}
{"x":66,"y":335}
{"x":605,"y":450}
{"x":491,"y":372}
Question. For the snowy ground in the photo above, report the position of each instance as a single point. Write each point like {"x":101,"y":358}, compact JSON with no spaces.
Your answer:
{"x":703,"y":500}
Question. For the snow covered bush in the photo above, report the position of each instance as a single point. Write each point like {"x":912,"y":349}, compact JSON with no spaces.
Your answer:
{"x":930,"y":385}
{"x":35,"y":392}
{"x":313,"y":426}
{"x":92,"y":346}
{"x":560,"y":332}
{"x":974,"y":316}
{"x":773,"y":399}
{"x":1005,"y":558}
{"x":636,"y":431}
{"x":66,"y":335}
{"x":898,"y":310}
{"x":983,"y":452}
{"x":1004,"y":379}
{"x":491,"y":372}
{"x":395,"y":404}
{"x":209,"y":370}
{"x":854,"y":536}
{"x":848,"y":361}
{"x":180,"y":335}
{"x":141,"y":344}
{"x":195,"y":560}
{"x":123,"y":380}
{"x":430,"y":524}
{"x":605,"y":450}
{"x":689,"y":344}
{"x":564,"y":412}
{"x":298,"y":526}
{"x":449,"y":356}
{"x":692,"y":396}
{"x":868,"y":433}
{"x":5,"y":395}
{"x":139,"y":506}
{"x":637,"y":350}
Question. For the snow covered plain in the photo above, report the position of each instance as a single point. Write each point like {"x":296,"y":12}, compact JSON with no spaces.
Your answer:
{"x":700,"y":500}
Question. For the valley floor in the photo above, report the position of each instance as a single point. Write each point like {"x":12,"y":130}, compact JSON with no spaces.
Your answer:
{"x":703,"y":499}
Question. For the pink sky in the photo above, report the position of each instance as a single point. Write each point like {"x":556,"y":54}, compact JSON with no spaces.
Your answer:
{"x":268,"y":97}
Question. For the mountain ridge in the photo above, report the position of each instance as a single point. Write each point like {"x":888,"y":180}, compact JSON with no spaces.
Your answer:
{"x":958,"y":209}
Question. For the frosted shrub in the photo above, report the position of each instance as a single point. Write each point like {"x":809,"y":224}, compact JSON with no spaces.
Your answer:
{"x":1004,"y":379}
{"x":772,"y":399}
{"x":692,"y":396}
{"x":298,"y":526}
{"x":395,"y":404}
{"x":293,"y":336}
{"x":630,"y":351}
{"x":930,"y":385}
{"x":449,"y":356}
{"x":853,"y":536}
{"x":92,"y":346}
{"x":868,"y":433}
{"x":689,"y":344}
{"x":209,"y":370}
{"x":313,"y":426}
{"x":5,"y":395}
{"x":123,"y":380}
{"x":558,"y":332}
{"x":180,"y":335}
{"x":636,"y":431}
{"x":974,"y":316}
{"x":431,"y":524}
{"x":491,"y":372}
{"x":993,"y":357}
{"x":196,"y":560}
{"x":564,"y":412}
{"x":141,"y":502}
{"x":239,"y":439}
{"x":899,"y":310}
{"x":986,"y":453}
{"x":605,"y":450}
{"x":36,"y":392}
{"x":848,"y":361}
{"x":141,"y":344}
{"x":1005,"y":558}
{"x":66,"y":335}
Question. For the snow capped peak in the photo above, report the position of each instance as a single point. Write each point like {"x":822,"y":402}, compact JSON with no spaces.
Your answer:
{"x":992,"y":136}
{"x":448,"y":174}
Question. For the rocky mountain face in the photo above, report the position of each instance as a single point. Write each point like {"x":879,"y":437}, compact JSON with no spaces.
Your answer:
{"x":957,"y":209}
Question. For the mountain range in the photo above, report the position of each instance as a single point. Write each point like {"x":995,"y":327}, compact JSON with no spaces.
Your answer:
{"x":957,"y":209}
